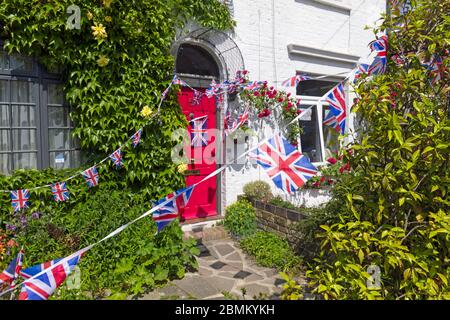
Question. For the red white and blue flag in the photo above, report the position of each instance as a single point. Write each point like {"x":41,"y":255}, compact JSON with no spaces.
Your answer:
{"x":294,"y":81}
{"x":284,"y":164}
{"x":331,"y":121}
{"x":214,"y":89}
{"x":232,"y":125}
{"x":13,"y":271}
{"x":91,"y":177}
{"x":136,"y":138}
{"x":177,"y":201}
{"x":116,"y":158}
{"x":60,"y":192}
{"x":362,"y":68}
{"x":19,"y":199}
{"x":178,"y":81}
{"x":436,"y":69}
{"x":199,"y":133}
{"x":43,"y":286}
{"x":338,"y":106}
{"x":379,"y":64}
{"x":253,"y":85}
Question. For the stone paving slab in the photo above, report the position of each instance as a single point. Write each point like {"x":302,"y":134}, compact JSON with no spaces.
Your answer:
{"x":223,"y":270}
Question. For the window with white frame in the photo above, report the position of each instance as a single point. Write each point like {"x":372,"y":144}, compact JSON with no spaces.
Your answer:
{"x":35,"y":128}
{"x":317,"y":141}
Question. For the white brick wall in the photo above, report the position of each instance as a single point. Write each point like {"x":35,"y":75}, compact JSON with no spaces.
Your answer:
{"x":263,"y":36}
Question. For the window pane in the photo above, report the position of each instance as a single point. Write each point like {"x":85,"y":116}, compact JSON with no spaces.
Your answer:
{"x":55,"y":94}
{"x":58,"y":117}
{"x":5,"y":163}
{"x":4,"y":116}
{"x":23,"y":116}
{"x":4,"y":140}
{"x":24,"y":160}
{"x":330,"y":136}
{"x":24,"y":139}
{"x":310,"y":138}
{"x":196,"y":60}
{"x":22,"y":91}
{"x":59,"y":139}
{"x":3,"y":92}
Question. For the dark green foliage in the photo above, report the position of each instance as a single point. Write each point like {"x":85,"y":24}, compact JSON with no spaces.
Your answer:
{"x":240,"y":219}
{"x":270,"y":251}
{"x":258,"y":190}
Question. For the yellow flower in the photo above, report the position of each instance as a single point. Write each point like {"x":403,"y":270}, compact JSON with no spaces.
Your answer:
{"x":107,"y":3}
{"x":108,"y":19}
{"x":182,"y":167}
{"x":89,"y":15}
{"x":102,"y":61}
{"x":419,"y":218}
{"x":99,"y":31}
{"x":146,"y":112}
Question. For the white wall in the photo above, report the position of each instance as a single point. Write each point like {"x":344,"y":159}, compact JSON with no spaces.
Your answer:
{"x":263,"y":36}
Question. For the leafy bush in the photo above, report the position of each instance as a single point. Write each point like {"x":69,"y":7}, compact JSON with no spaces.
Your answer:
{"x":258,"y":190}
{"x":270,"y":251}
{"x":240,"y":219}
{"x":395,"y":212}
{"x":291,"y":289}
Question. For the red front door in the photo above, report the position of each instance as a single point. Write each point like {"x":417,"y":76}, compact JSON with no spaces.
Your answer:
{"x":202,"y":156}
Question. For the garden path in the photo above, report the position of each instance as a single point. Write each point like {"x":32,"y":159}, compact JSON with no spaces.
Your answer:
{"x":225,"y":272}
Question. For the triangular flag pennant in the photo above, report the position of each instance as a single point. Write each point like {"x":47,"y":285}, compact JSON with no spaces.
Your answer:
{"x":284,"y":164}
{"x":136,"y":138}
{"x":13,"y":271}
{"x":43,"y":286}
{"x":116,"y":158}
{"x":338,"y":107}
{"x":60,"y":192}
{"x":19,"y":199}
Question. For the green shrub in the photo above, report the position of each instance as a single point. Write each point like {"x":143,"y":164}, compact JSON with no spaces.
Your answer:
{"x":240,"y":219}
{"x":258,"y":190}
{"x":270,"y":251}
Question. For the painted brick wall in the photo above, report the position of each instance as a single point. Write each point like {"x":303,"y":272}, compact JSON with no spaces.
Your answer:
{"x":264,"y":30}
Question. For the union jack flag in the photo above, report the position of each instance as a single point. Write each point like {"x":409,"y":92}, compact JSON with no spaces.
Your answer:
{"x":19,"y":199}
{"x":178,"y":81}
{"x":379,"y":63}
{"x":43,"y":286}
{"x":233,"y":125}
{"x":338,"y":106}
{"x":170,"y":211}
{"x":136,"y":138}
{"x":294,"y":81}
{"x":60,"y":192}
{"x":91,"y":177}
{"x":284,"y":164}
{"x":436,"y":69}
{"x":196,"y":100}
{"x":331,"y":121}
{"x":165,"y":92}
{"x":116,"y":158}
{"x":199,"y":134}
{"x":13,"y":271}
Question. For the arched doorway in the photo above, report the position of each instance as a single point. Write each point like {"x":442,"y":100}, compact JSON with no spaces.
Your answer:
{"x":202,"y":56}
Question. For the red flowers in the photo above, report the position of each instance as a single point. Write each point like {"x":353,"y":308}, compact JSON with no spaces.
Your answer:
{"x":345,"y":168}
{"x":265,"y":113}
